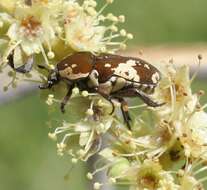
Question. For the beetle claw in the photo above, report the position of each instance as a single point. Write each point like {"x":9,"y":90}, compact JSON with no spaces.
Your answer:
{"x":113,"y":107}
{"x":62,"y":108}
{"x":66,"y":98}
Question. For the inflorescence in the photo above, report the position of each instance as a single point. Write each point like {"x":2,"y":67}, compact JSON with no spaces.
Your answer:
{"x":166,"y":149}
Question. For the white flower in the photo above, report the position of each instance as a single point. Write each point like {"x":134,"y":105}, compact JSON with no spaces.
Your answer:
{"x":84,"y":30}
{"x":175,"y":91}
{"x":188,"y":177}
{"x":82,"y":35}
{"x":34,"y":27}
{"x":149,"y":175}
{"x":192,"y":134}
{"x":89,"y":130}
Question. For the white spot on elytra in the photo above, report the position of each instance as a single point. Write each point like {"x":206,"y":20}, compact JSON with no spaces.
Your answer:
{"x":68,"y":73}
{"x":146,"y":66}
{"x":127,"y":71}
{"x":74,"y":65}
{"x":107,"y":65}
{"x":155,"y":77}
{"x":131,"y":62}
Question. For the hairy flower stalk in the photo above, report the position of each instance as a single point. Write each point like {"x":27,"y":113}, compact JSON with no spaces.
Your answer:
{"x":166,"y":147}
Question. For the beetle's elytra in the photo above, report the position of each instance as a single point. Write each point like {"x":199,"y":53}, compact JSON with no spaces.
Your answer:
{"x":111,"y":76}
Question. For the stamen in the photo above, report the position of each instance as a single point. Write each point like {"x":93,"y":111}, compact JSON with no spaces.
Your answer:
{"x":200,"y":170}
{"x":133,"y":154}
{"x":67,"y":136}
{"x":9,"y":50}
{"x":202,"y":180}
{"x":138,"y":106}
{"x":197,"y":69}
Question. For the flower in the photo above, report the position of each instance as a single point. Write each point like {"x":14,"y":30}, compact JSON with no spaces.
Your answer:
{"x":95,"y":37}
{"x":188,"y":176}
{"x":35,"y":26}
{"x":166,"y":147}
{"x":151,"y":176}
{"x":175,"y":90}
{"x":148,"y":175}
{"x":192,"y":134}
{"x":89,"y":130}
{"x":52,"y":30}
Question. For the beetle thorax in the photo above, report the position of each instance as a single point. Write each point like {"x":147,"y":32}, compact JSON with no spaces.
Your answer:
{"x":76,"y":66}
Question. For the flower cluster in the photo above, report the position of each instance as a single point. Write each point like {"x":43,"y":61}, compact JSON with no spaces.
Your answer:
{"x":166,"y":148}
{"x":48,"y":31}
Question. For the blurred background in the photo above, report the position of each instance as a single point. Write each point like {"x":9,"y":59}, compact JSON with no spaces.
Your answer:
{"x":163,"y":29}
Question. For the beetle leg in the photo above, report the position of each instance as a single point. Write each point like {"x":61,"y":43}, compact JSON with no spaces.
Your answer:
{"x":108,"y":98}
{"x":66,"y":99}
{"x":132,"y":92}
{"x":147,"y":99}
{"x":125,"y":112}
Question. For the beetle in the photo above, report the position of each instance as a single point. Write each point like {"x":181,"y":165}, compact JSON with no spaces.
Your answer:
{"x":111,"y":76}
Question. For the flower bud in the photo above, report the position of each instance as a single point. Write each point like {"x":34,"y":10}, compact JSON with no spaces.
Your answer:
{"x":74,"y":160}
{"x":85,"y":93}
{"x":89,"y":176}
{"x":130,"y":36}
{"x":121,"y":18}
{"x":51,"y":55}
{"x":75,"y":91}
{"x":89,"y":112}
{"x":97,"y":186}
{"x":52,"y":136}
{"x":109,"y":1}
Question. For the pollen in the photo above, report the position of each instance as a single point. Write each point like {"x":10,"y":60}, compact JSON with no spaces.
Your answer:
{"x":149,"y":181}
{"x":41,"y":1}
{"x":31,"y":26}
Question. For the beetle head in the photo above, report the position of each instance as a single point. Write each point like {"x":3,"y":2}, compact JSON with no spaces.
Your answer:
{"x":53,"y":77}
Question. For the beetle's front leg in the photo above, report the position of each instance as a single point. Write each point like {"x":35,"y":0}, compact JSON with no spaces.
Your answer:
{"x":66,"y":98}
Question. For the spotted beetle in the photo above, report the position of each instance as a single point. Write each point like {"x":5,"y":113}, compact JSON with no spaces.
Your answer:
{"x":111,"y":76}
